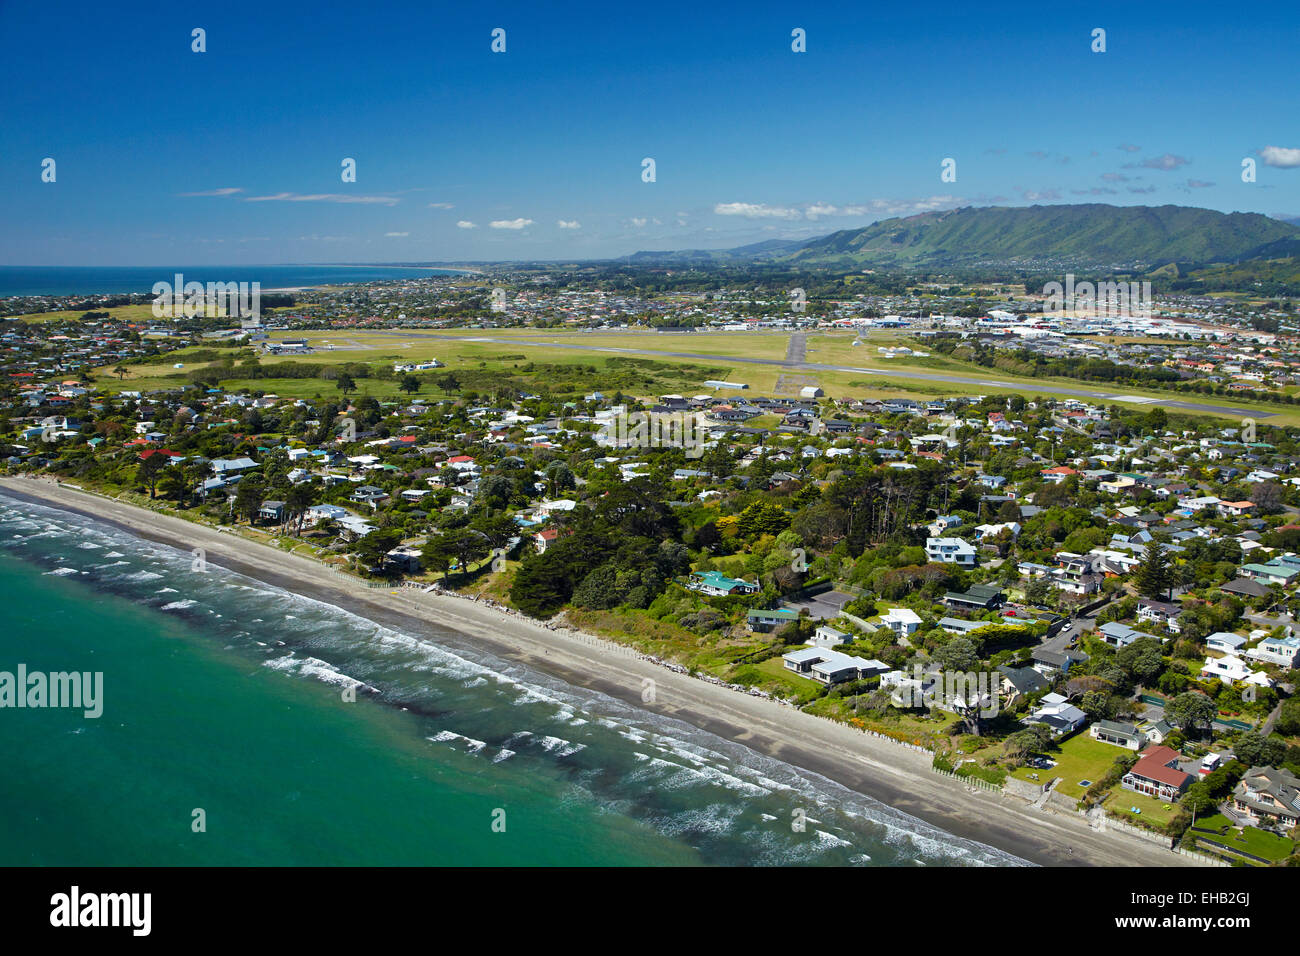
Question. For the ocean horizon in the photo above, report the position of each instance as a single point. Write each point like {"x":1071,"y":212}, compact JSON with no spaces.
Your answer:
{"x":122,"y":280}
{"x":225,"y":693}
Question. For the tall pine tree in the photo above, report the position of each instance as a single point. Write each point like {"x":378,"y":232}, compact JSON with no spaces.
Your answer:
{"x":1154,"y":576}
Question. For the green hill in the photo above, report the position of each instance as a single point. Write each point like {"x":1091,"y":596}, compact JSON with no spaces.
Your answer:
{"x":1094,"y":235}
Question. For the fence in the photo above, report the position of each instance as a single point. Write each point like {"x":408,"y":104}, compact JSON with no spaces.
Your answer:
{"x":973,"y":781}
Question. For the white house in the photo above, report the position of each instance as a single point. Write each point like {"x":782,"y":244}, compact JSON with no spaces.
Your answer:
{"x":950,"y":551}
{"x":1225,"y":642}
{"x":1283,"y":651}
{"x":1058,"y":714}
{"x":901,"y":620}
{"x":1229,"y":669}
{"x":826,"y":636}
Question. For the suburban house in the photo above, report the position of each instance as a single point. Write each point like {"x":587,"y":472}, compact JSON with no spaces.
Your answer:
{"x":1225,"y":642}
{"x":1160,"y":613}
{"x":1158,"y":732}
{"x":1049,"y":662}
{"x":1057,"y":475}
{"x":319,"y":513}
{"x":901,"y":620}
{"x":719,"y":585}
{"x":1230,"y":668}
{"x":830,"y":667}
{"x":1157,"y":775}
{"x":1021,"y":681}
{"x":979,"y":597}
{"x":1119,"y":635}
{"x":763,"y":620}
{"x":1119,"y":734}
{"x":1268,"y":797}
{"x":1275,"y":572}
{"x":950,"y":551}
{"x":1282,"y":651}
{"x":943,"y":523}
{"x":1058,"y":715}
{"x":827,"y":636}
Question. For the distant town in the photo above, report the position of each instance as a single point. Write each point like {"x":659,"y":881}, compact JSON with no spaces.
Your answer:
{"x":1112,"y":579}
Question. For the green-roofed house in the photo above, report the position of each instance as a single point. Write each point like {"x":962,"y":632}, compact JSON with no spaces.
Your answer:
{"x":764,"y":620}
{"x":1275,"y":572}
{"x":718,"y":584}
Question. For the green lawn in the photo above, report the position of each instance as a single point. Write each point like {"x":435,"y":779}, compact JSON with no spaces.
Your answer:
{"x":1260,"y":843}
{"x":1153,"y":812}
{"x":1079,"y":758}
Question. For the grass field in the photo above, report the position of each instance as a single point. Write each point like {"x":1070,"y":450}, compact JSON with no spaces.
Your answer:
{"x":1077,"y":759}
{"x":1152,"y":812}
{"x":588,"y":365}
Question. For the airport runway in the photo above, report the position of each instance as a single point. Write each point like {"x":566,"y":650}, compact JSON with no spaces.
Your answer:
{"x":1096,"y":395}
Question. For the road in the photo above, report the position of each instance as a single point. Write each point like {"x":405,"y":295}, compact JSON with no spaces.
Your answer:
{"x":1098,"y":395}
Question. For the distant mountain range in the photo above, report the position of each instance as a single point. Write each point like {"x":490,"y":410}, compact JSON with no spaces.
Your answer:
{"x":1093,"y":235}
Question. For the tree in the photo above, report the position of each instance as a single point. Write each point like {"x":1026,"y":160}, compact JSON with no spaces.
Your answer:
{"x":1267,"y":497}
{"x":1022,"y":743}
{"x":150,"y":471}
{"x":1190,"y":710}
{"x":409,"y":384}
{"x":435,"y":557}
{"x":372,"y":549}
{"x":296,"y":502}
{"x":1154,"y":576}
{"x":559,"y":477}
{"x":763,"y":517}
{"x":1255,"y":750}
{"x":1288,"y":719}
{"x":120,"y":371}
{"x":464,"y":544}
{"x":346,"y":384}
{"x":248,"y":498}
{"x":1142,"y":659}
{"x":959,"y":654}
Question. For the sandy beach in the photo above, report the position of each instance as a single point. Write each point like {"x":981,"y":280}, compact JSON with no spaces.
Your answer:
{"x":878,"y":768}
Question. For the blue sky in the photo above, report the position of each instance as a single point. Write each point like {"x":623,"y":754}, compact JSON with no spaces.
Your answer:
{"x":234,"y":155}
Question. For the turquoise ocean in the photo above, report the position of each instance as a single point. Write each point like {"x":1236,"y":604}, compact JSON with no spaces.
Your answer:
{"x":224,"y":695}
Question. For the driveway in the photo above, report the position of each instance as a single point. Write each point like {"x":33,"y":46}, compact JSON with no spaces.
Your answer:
{"x":823,"y":606}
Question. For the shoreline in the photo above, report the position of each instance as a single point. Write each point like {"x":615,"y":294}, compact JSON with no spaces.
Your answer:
{"x":885,"y":771}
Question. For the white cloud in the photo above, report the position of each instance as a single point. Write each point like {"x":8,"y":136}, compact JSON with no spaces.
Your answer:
{"x":759,"y":210}
{"x":1166,"y":162}
{"x":510,"y":223}
{"x":1281,"y":156}
{"x":441,"y":205}
{"x":466,"y":224}
{"x":395,"y":235}
{"x":821,"y":210}
{"x":569,"y":224}
{"x":224,"y":191}
{"x":638,"y":222}
{"x":323,"y":197}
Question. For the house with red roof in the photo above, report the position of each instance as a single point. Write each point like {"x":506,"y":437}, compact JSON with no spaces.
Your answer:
{"x":1058,"y":474}
{"x":1157,"y":775}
